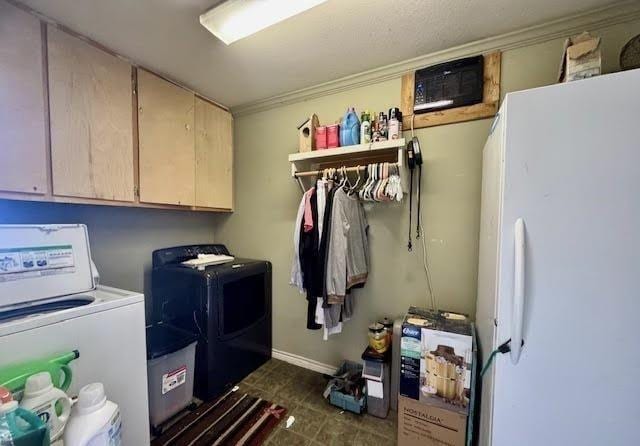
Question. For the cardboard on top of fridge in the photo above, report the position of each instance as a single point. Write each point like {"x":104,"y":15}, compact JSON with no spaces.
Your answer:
{"x":437,"y":358}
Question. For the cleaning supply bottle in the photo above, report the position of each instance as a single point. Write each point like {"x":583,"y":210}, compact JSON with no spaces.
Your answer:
{"x":18,"y":426}
{"x":350,"y":128}
{"x":94,"y":420}
{"x":365,"y":128}
{"x":395,"y":124}
{"x":14,"y":377}
{"x":382,"y":126}
{"x":41,"y":398}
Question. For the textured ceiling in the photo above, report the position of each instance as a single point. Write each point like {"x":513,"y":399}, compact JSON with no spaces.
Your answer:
{"x":335,"y":39}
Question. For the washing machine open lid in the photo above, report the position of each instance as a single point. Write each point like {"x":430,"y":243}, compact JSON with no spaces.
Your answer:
{"x":29,"y":316}
{"x":39,"y":262}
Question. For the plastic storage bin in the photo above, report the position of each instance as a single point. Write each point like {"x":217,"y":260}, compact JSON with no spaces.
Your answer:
{"x":170,"y":368}
{"x":377,"y":373}
{"x":344,"y":401}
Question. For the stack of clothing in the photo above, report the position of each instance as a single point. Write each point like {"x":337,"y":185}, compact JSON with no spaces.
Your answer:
{"x":331,"y":254}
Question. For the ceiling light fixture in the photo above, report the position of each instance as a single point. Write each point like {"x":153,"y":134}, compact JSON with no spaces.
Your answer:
{"x":236,"y":19}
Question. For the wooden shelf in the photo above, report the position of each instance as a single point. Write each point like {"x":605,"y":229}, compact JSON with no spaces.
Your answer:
{"x":349,"y":156}
{"x":347,"y":150}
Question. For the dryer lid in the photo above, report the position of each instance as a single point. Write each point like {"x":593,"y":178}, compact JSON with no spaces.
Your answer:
{"x":178,"y":254}
{"x":43,"y":261}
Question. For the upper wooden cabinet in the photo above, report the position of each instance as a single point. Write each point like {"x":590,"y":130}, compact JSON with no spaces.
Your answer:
{"x":79,"y":124}
{"x":214,"y":156}
{"x":91,"y":109}
{"x":23,"y":151}
{"x":166,"y":141}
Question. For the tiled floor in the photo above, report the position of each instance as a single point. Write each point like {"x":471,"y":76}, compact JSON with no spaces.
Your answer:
{"x":317,"y":423}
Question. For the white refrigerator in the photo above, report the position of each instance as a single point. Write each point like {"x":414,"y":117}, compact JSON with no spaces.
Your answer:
{"x":560,"y":266}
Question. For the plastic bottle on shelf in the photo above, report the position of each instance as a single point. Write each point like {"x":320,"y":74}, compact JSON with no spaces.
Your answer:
{"x":94,"y":420}
{"x":350,"y":128}
{"x":19,"y":426}
{"x":395,"y":126}
{"x":365,"y":128}
{"x":382,"y":126}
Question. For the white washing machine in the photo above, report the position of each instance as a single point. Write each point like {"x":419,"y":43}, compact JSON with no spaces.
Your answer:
{"x":50,"y":304}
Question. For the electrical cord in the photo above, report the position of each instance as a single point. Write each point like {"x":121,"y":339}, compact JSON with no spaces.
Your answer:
{"x":420,"y":232}
{"x":409,"y":244}
{"x":502,"y":348}
{"x":425,"y":264}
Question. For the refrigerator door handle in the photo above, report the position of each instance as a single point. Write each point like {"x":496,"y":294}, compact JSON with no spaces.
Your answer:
{"x":517,"y":315}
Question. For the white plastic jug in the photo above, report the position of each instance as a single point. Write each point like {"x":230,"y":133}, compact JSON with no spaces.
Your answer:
{"x":41,"y":397}
{"x":94,"y":420}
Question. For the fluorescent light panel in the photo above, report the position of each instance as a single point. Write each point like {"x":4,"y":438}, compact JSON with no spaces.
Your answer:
{"x":236,"y":19}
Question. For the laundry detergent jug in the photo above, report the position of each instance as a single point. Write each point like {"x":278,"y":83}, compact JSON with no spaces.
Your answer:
{"x":350,"y":128}
{"x":94,"y":420}
{"x":41,"y":398}
{"x":18,"y":426}
{"x":14,"y":376}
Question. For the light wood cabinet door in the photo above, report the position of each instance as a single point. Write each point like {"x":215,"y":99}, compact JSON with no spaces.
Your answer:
{"x":23,"y":151}
{"x":214,"y":156}
{"x":166,"y":141}
{"x":91,"y":109}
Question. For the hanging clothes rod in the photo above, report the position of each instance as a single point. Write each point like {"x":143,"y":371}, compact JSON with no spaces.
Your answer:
{"x":311,"y":173}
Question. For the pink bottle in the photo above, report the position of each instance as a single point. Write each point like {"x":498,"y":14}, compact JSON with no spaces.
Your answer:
{"x":321,"y":137}
{"x":333,"y":135}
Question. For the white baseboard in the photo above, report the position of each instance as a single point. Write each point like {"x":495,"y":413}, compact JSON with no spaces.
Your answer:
{"x":301,"y":361}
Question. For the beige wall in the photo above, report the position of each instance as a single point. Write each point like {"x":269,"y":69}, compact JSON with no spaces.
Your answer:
{"x":267,"y":199}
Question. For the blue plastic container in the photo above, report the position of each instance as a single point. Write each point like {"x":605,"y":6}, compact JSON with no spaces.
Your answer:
{"x":348,"y":402}
{"x":350,"y":128}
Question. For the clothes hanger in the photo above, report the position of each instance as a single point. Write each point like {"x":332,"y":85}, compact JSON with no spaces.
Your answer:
{"x":376,"y":190}
{"x":383,"y":182}
{"x":392,"y":185}
{"x":345,"y":181}
{"x":355,"y":186}
{"x":369,"y":182}
{"x":344,"y":178}
{"x":363,"y":190}
{"x":374,"y":184}
{"x":385,"y":193}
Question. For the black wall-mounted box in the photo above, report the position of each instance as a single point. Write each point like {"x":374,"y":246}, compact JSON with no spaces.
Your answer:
{"x":449,"y":85}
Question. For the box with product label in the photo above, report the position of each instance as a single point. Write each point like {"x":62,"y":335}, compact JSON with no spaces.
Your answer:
{"x":437,"y":363}
{"x":424,"y":425}
{"x":411,"y":349}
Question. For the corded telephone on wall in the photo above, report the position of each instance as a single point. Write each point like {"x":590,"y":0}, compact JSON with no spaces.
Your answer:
{"x":414,"y":159}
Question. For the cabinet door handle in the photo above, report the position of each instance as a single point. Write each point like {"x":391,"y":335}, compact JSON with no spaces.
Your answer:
{"x":517,"y":313}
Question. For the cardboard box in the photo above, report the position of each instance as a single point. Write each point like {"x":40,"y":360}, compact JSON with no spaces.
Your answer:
{"x":424,"y":425}
{"x":436,"y":358}
{"x":437,"y":379}
{"x":581,"y":58}
{"x":446,"y":359}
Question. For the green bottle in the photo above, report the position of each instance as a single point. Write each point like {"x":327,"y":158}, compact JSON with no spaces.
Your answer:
{"x":14,"y":376}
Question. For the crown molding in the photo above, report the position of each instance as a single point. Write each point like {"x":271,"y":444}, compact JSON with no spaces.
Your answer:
{"x":593,"y":20}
